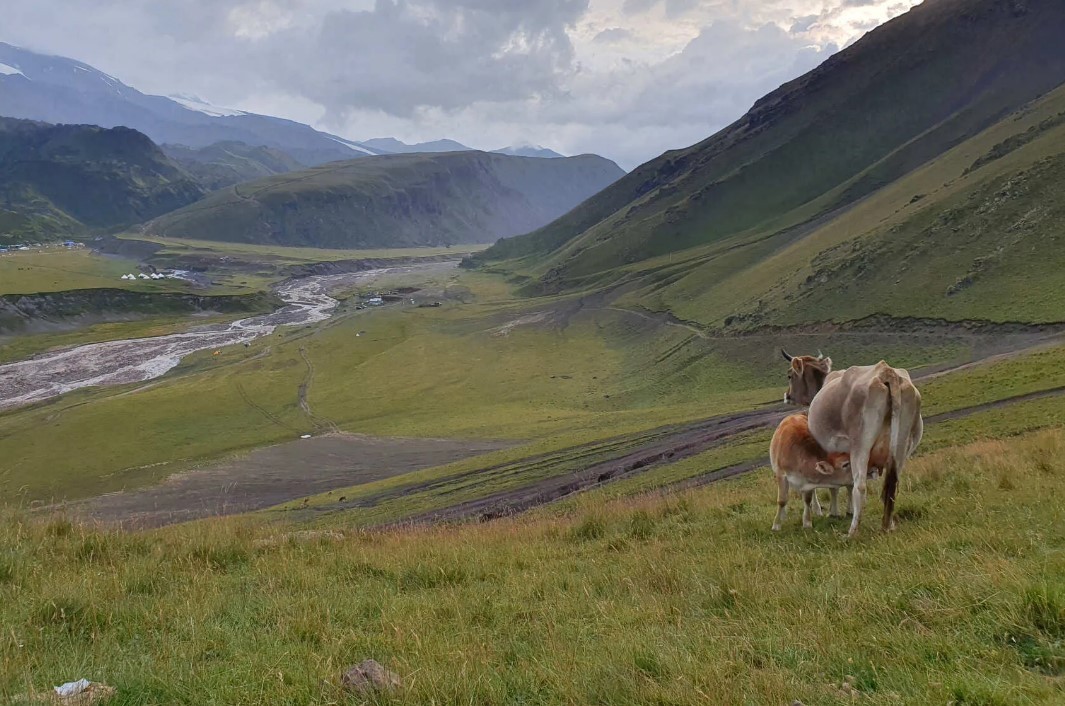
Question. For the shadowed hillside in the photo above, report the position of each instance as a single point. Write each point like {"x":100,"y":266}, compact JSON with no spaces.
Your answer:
{"x":395,"y":201}
{"x":226,"y":163}
{"x":62,"y":179}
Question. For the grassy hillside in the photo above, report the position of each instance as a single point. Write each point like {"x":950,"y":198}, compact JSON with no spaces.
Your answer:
{"x":61,"y":180}
{"x":56,"y":269}
{"x":226,"y":163}
{"x":903,"y":95}
{"x":394,"y":201}
{"x":685,"y":599}
{"x":973,"y":234}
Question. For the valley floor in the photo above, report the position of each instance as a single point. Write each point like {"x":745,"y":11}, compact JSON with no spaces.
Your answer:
{"x":632,"y":577}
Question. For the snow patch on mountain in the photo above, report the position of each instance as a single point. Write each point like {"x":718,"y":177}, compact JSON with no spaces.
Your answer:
{"x":7,"y":70}
{"x":353,"y":145}
{"x":201,"y":106}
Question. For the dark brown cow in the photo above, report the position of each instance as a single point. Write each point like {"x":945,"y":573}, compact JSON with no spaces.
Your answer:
{"x":857,"y":411}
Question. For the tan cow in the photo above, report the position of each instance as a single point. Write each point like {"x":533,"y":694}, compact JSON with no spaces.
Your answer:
{"x":799,"y":463}
{"x":858,"y":411}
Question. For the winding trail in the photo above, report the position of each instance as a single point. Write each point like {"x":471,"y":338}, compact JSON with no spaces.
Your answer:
{"x":136,"y":360}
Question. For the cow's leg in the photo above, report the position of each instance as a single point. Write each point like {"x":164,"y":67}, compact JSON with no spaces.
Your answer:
{"x":817,"y":505}
{"x":782,"y":502}
{"x":859,"y":491}
{"x":833,"y":510}
{"x":807,"y":498}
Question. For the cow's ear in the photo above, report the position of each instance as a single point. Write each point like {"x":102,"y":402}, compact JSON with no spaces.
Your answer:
{"x":797,"y":365}
{"x":827,"y":362}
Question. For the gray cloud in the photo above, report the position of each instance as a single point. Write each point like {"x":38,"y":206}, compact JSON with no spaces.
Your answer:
{"x":612,"y":35}
{"x":626,"y":78}
{"x":673,"y":8}
{"x":408,"y":54}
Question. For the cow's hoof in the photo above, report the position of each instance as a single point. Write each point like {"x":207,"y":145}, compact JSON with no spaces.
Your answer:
{"x":776,"y":528}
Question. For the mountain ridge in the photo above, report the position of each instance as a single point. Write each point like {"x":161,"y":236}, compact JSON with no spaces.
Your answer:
{"x":224,"y":164}
{"x":394,"y":201}
{"x":61,"y":180}
{"x":60,"y":90}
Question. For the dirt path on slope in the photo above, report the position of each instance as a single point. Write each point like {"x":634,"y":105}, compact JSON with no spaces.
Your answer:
{"x":274,"y":475}
{"x":690,"y":441}
{"x":320,"y":423}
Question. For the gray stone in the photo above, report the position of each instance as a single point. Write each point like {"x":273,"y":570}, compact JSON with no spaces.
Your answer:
{"x":370,"y":676}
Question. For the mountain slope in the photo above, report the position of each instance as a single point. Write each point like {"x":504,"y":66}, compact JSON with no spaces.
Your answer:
{"x":529,"y":151}
{"x":60,"y":90}
{"x":395,"y":201}
{"x":900,"y":96}
{"x":63,"y":179}
{"x":391,"y":145}
{"x":226,"y":163}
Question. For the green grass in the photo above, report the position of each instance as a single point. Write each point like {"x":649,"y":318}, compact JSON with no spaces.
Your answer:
{"x":685,"y":600}
{"x":579,"y":374}
{"x":59,"y":269}
{"x":292,"y":255}
{"x":1009,"y":377}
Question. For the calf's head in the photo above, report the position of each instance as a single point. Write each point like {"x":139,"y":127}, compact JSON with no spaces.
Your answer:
{"x":805,"y":377}
{"x":834,"y":463}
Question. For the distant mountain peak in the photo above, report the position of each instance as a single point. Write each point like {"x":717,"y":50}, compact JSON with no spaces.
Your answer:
{"x":391,"y":144}
{"x":62,"y":90}
{"x":527,"y":149}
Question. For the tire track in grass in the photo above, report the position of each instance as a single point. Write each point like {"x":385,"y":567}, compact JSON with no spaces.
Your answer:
{"x":263,"y":411}
{"x":688,"y":441}
{"x":304,"y":390}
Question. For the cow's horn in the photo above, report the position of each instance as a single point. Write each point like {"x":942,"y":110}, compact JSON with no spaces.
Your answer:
{"x":820,"y":355}
{"x":785,"y":354}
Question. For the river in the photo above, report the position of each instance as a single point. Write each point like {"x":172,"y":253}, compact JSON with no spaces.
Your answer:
{"x":48,"y":375}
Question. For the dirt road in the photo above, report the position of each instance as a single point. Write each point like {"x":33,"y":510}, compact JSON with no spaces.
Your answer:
{"x":274,"y":475}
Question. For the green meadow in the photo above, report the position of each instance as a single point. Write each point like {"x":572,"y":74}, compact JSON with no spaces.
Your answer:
{"x":682,"y":599}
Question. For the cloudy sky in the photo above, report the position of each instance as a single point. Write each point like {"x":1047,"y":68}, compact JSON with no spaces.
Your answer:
{"x":624,"y":78}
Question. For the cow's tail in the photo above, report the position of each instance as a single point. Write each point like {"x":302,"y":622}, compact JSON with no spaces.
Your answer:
{"x":899,"y":441}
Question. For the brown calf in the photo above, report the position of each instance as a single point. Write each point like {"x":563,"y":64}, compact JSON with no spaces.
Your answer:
{"x":799,"y":462}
